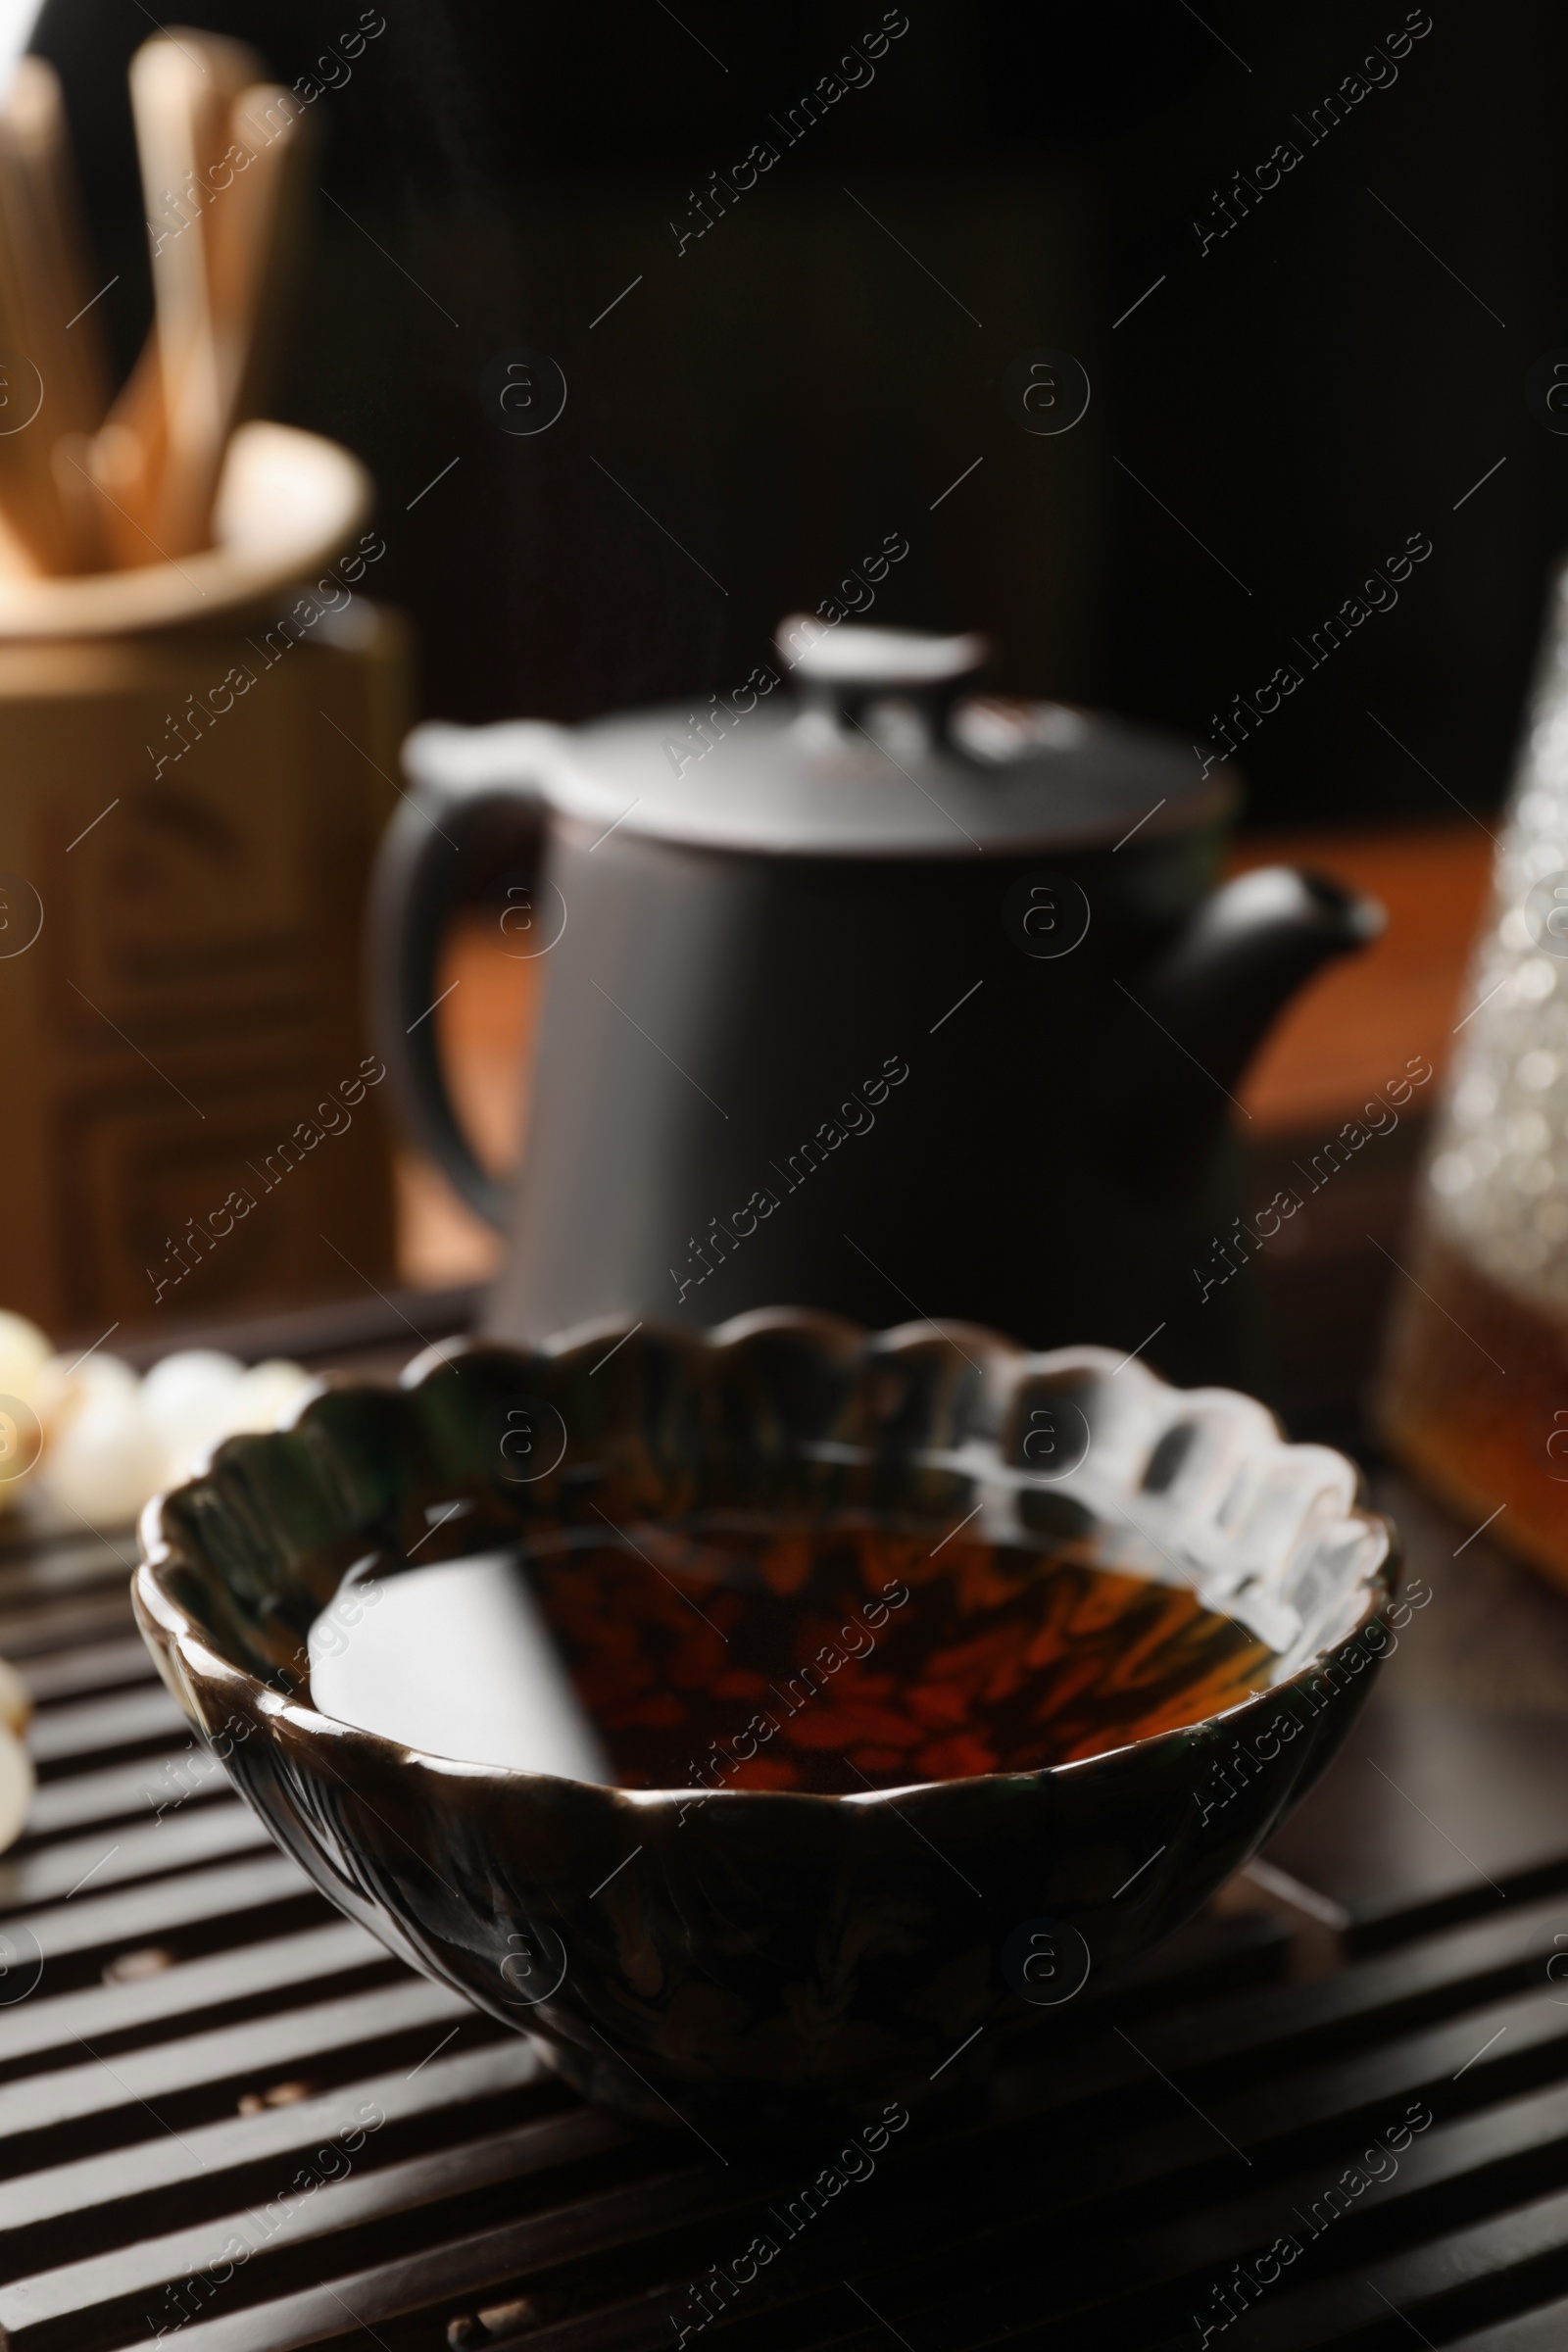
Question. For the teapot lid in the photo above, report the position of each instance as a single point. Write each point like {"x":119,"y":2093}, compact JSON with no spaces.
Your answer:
{"x":860,"y":743}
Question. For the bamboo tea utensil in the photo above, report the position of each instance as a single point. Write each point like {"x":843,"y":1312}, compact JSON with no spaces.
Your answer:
{"x":81,"y":504}
{"x":254,"y":244}
{"x":224,"y":157}
{"x":183,"y":87}
{"x":124,"y":458}
{"x":54,"y":362}
{"x":39,"y":182}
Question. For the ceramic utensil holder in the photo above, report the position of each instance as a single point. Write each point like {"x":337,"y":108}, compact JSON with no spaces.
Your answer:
{"x":186,"y":823}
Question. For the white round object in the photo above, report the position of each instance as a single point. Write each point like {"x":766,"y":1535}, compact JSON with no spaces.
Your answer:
{"x":21,"y":1444}
{"x":24,"y":1352}
{"x":107,"y":1460}
{"x":188,"y":1382}
{"x":188,"y":1398}
{"x":101,"y":1375}
{"x":15,"y":1789}
{"x":267,"y":1396}
{"x":15,"y":1704}
{"x":66,"y":1382}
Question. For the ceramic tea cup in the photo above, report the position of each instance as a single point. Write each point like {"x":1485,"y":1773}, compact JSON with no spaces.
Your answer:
{"x":889,"y":1685}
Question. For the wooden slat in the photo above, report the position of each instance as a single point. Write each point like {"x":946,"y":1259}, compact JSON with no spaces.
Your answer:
{"x":1536,"y":2045}
{"x":57,"y":1674}
{"x":448,"y":2276}
{"x":1545,"y":2330}
{"x":1474,"y":2262}
{"x":115,"y":1922}
{"x":92,"y":1726}
{"x":1467,"y":2151}
{"x":383,"y":1325}
{"x":161,"y":2170}
{"x":1489,"y":2160}
{"x":100,"y":1617}
{"x":33,"y":1574}
{"x":394,"y":2192}
{"x":1453,"y":1965}
{"x":83,"y":1798}
{"x":144,"y":1850}
{"x":1449,"y":1970}
{"x":255,"y":2050}
{"x":1105,"y":2260}
{"x":101,"y":2012}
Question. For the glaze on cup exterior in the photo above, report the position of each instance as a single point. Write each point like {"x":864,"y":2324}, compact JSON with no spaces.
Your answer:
{"x":766,"y":1956}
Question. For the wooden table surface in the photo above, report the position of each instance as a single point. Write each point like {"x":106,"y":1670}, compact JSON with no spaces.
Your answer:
{"x":1358,"y":1023}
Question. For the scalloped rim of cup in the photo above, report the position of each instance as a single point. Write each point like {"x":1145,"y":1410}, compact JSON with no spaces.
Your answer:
{"x":185,"y":1641}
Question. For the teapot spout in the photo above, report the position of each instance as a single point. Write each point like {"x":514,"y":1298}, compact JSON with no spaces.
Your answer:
{"x":1216,"y":989}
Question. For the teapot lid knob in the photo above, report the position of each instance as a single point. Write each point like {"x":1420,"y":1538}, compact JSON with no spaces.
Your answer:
{"x":849,"y":653}
{"x":845,"y":667}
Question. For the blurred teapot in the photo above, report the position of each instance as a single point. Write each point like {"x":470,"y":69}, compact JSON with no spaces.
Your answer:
{"x":863,"y":993}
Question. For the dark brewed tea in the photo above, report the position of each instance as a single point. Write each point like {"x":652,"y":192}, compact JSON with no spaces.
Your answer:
{"x":1474,"y":1396}
{"x":831,"y":1652}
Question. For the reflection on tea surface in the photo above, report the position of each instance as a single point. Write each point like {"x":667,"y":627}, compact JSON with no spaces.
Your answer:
{"x":740,"y":1650}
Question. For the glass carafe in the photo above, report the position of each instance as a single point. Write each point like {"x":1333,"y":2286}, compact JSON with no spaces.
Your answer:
{"x":1473,"y":1391}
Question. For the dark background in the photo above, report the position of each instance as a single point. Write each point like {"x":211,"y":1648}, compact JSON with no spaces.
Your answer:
{"x":796,"y":385}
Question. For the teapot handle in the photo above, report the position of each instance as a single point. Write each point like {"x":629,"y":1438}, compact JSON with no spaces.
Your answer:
{"x":479,"y":803}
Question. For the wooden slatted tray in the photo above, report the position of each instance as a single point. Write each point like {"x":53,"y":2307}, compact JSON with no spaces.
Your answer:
{"x":229,"y":2119}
